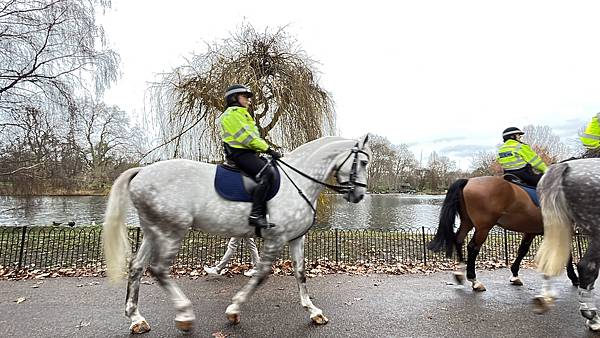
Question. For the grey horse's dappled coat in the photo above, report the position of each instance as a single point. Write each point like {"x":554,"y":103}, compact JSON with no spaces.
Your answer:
{"x":172,"y":196}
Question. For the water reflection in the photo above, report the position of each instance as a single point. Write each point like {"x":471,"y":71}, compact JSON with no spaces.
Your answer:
{"x":391,"y":211}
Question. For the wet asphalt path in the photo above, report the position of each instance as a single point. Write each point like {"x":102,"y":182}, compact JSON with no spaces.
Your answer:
{"x":357,"y":306}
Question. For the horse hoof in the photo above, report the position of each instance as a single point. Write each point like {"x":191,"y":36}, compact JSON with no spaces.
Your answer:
{"x":233,"y":318}
{"x":540,"y":305}
{"x":516,"y":281}
{"x":184,"y":325}
{"x":320,"y":319}
{"x":479,"y":287}
{"x":593,"y":325}
{"x":139,"y":327}
{"x":459,"y":277}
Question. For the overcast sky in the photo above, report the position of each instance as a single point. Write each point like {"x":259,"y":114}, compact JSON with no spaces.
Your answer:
{"x":438,"y":75}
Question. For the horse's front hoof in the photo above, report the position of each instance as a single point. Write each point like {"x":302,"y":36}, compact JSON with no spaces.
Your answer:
{"x":479,"y":287}
{"x":139,"y":327}
{"x":540,"y":304}
{"x":233,"y":318}
{"x":184,"y":325}
{"x":459,"y":277}
{"x":516,"y":281}
{"x":320,"y":319}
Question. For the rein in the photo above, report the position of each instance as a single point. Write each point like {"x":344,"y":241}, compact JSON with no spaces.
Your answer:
{"x":347,"y":186}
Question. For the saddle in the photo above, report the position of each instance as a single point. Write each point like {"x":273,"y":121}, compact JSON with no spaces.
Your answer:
{"x":514,"y":179}
{"x":234,"y":185}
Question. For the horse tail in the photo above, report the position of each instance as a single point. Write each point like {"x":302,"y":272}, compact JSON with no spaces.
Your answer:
{"x":114,"y":235}
{"x":558,"y":225}
{"x":445,"y":236}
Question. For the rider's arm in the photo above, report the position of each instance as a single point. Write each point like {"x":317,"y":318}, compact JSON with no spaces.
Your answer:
{"x":532,"y":158}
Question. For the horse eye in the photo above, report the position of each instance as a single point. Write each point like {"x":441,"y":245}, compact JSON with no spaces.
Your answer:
{"x":364,"y":163}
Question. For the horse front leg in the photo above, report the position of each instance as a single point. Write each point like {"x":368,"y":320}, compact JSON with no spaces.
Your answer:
{"x":523,"y":250}
{"x":472,"y":252}
{"x":272,"y":248}
{"x":588,"y":272}
{"x":297,"y":253}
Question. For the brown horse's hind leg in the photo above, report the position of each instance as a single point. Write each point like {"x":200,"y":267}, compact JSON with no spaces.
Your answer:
{"x":523,"y":250}
{"x":465,"y":227}
{"x":472,"y":251}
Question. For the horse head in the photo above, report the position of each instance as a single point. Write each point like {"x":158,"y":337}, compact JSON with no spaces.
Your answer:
{"x":351,"y":171}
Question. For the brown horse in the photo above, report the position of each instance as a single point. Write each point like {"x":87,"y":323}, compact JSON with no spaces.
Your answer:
{"x":481,"y":203}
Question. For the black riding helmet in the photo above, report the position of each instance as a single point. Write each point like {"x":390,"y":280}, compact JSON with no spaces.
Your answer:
{"x":511,"y":132}
{"x":233,"y":91}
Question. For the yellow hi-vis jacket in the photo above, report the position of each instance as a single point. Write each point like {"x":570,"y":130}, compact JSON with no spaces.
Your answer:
{"x":514,"y":155}
{"x":239,"y":130}
{"x":591,"y":136}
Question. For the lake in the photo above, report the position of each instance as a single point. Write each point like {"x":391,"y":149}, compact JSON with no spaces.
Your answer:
{"x":385,"y":211}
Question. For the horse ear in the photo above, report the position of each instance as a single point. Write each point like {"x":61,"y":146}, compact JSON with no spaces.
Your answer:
{"x":365,"y":140}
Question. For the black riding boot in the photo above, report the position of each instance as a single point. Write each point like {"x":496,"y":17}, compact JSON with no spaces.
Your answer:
{"x":258,"y":215}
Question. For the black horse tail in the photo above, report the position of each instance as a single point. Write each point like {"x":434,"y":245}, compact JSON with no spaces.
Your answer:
{"x":445,"y":238}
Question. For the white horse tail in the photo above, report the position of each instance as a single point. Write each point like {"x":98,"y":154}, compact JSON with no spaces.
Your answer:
{"x":114,"y":234}
{"x":558,"y":225}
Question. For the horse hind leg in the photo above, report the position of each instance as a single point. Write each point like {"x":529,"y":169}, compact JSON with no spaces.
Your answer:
{"x":272,"y":247}
{"x":136,"y":269}
{"x":166,"y":247}
{"x":588,"y":272}
{"x":297,"y":253}
{"x":472,"y":251}
{"x":465,"y":227}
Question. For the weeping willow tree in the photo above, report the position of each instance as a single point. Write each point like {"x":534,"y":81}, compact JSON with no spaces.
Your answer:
{"x":289,"y":106}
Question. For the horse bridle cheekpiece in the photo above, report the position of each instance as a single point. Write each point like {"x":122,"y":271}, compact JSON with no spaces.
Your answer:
{"x":351,"y":182}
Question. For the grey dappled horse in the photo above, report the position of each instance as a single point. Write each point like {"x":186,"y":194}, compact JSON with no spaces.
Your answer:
{"x":174,"y":195}
{"x":570,"y":196}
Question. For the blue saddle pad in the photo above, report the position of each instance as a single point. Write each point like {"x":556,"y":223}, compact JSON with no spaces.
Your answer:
{"x":229,"y":183}
{"x":533,"y":194}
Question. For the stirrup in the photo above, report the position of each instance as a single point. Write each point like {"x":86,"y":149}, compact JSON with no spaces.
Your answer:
{"x":258,"y":227}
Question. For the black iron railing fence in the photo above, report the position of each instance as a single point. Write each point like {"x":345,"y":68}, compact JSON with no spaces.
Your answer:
{"x":50,"y":247}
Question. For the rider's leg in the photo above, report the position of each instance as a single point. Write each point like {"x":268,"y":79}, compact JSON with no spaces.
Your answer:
{"x":251,"y":164}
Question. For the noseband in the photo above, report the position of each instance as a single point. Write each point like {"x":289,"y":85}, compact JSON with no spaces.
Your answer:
{"x":351,"y":182}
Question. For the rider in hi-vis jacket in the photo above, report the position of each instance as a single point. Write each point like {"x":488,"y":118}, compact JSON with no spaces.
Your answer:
{"x":519,"y":159}
{"x":242,"y":143}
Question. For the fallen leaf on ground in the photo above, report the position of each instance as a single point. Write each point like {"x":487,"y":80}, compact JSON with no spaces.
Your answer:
{"x":20,"y":300}
{"x":219,"y":335}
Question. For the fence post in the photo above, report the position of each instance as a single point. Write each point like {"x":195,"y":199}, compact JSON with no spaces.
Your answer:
{"x":22,"y":247}
{"x":424,"y":245}
{"x":578,"y":243}
{"x":505,"y":248}
{"x":337,"y":251}
{"x":137,"y":239}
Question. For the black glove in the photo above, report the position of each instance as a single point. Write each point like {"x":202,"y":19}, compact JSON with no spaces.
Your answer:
{"x":274,"y":154}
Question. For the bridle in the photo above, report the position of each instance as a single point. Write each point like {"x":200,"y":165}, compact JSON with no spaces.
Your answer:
{"x":342,"y":186}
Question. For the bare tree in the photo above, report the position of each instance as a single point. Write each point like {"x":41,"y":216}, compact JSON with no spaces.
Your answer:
{"x":484,"y":163}
{"x":49,"y":51}
{"x":545,"y":142}
{"x":290,"y":108}
{"x":106,"y":134}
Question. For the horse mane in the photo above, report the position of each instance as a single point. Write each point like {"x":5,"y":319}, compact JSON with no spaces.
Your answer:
{"x":311,"y":146}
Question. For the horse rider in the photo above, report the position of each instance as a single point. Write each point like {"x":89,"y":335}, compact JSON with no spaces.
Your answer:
{"x":591,"y":138}
{"x":519,"y":159}
{"x":242,"y":143}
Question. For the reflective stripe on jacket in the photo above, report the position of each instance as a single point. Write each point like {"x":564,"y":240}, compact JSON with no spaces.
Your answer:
{"x":591,"y":136}
{"x":239,"y":130}
{"x":514,"y":155}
